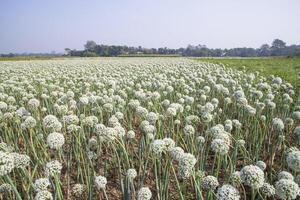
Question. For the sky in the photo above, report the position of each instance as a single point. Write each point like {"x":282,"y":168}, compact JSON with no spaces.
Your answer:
{"x":53,"y":25}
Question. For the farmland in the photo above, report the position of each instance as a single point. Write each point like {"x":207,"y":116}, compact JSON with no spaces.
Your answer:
{"x":287,"y":68}
{"x":149,"y":128}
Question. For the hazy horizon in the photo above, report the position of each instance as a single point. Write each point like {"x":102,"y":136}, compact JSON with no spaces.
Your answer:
{"x":35,"y":26}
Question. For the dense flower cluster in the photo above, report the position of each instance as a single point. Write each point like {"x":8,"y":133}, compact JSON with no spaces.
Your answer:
{"x":178,"y":126}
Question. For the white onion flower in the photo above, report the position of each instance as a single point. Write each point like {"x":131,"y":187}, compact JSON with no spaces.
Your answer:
{"x":55,"y":140}
{"x":227,"y":192}
{"x":144,"y":193}
{"x":100,"y":182}
{"x":252,"y":176}
{"x":286,"y":189}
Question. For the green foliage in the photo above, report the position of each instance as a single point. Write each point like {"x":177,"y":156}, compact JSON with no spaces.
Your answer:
{"x":287,"y":68}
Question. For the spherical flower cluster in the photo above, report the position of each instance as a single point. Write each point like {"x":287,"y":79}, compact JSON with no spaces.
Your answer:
{"x":131,"y":134}
{"x":171,"y":112}
{"x":285,"y":175}
{"x":296,"y":115}
{"x":144,"y":193}
{"x":277,"y":124}
{"x":200,"y":140}
{"x":3,"y":106}
{"x":158,"y":147}
{"x":51,"y":123}
{"x":187,"y":162}
{"x":113,"y":121}
{"x":43,"y":195}
{"x":7,"y":163}
{"x":152,"y":117}
{"x":227,"y":192}
{"x":169,"y":143}
{"x":53,"y":168}
{"x":286,"y":189}
{"x":55,"y":140}
{"x":90,"y":121}
{"x":267,"y":190}
{"x":33,"y":104}
{"x":100,"y":182}
{"x":235,"y":178}
{"x":108,"y":107}
{"x":220,"y":146}
{"x":293,"y":160}
{"x":189,"y":130}
{"x":29,"y":123}
{"x":70,"y":119}
{"x":41,"y":184}
{"x":131,"y":173}
{"x":176,"y":153}
{"x":78,"y":190}
{"x":210,"y":183}
{"x":252,"y":176}
{"x":21,"y":160}
{"x":261,"y":164}
{"x":84,"y":100}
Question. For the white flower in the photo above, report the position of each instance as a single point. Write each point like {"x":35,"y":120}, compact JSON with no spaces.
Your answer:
{"x":285,"y":175}
{"x":55,"y":140}
{"x":43,"y":195}
{"x":41,"y":184}
{"x":7,"y":163}
{"x":70,"y":119}
{"x":171,"y":112}
{"x":261,"y":164}
{"x":286,"y":189}
{"x":296,"y":115}
{"x":51,"y":123}
{"x":53,"y":168}
{"x":21,"y":160}
{"x":220,"y":146}
{"x":176,"y":153}
{"x":227,"y":192}
{"x":293,"y":160}
{"x":158,"y":146}
{"x":90,"y":121}
{"x":29,"y":123}
{"x":235,"y":178}
{"x":33,"y":104}
{"x":84,"y":100}
{"x":100,"y":182}
{"x":78,"y":189}
{"x":278,"y":124}
{"x":252,"y":176}
{"x":152,"y":117}
{"x":169,"y":143}
{"x":267,"y":190}
{"x":131,"y":134}
{"x":189,"y":130}
{"x":131,"y":173}
{"x":210,"y":183}
{"x":144,"y":194}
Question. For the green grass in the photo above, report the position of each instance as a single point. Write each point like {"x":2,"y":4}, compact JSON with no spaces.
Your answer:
{"x":287,"y":68}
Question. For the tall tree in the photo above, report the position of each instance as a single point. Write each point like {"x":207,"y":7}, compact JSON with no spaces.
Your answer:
{"x":90,"y":45}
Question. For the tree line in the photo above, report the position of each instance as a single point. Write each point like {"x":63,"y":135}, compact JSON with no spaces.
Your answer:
{"x":277,"y":48}
{"x":91,"y":48}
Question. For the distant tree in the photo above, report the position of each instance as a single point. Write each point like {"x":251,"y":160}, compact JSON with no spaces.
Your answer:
{"x":90,"y":46}
{"x":278,"y":48}
{"x":278,"y":44}
{"x":264,"y":50}
{"x":68,"y":51}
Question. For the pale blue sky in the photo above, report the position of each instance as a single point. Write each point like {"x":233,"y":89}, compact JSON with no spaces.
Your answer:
{"x":46,"y":25}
